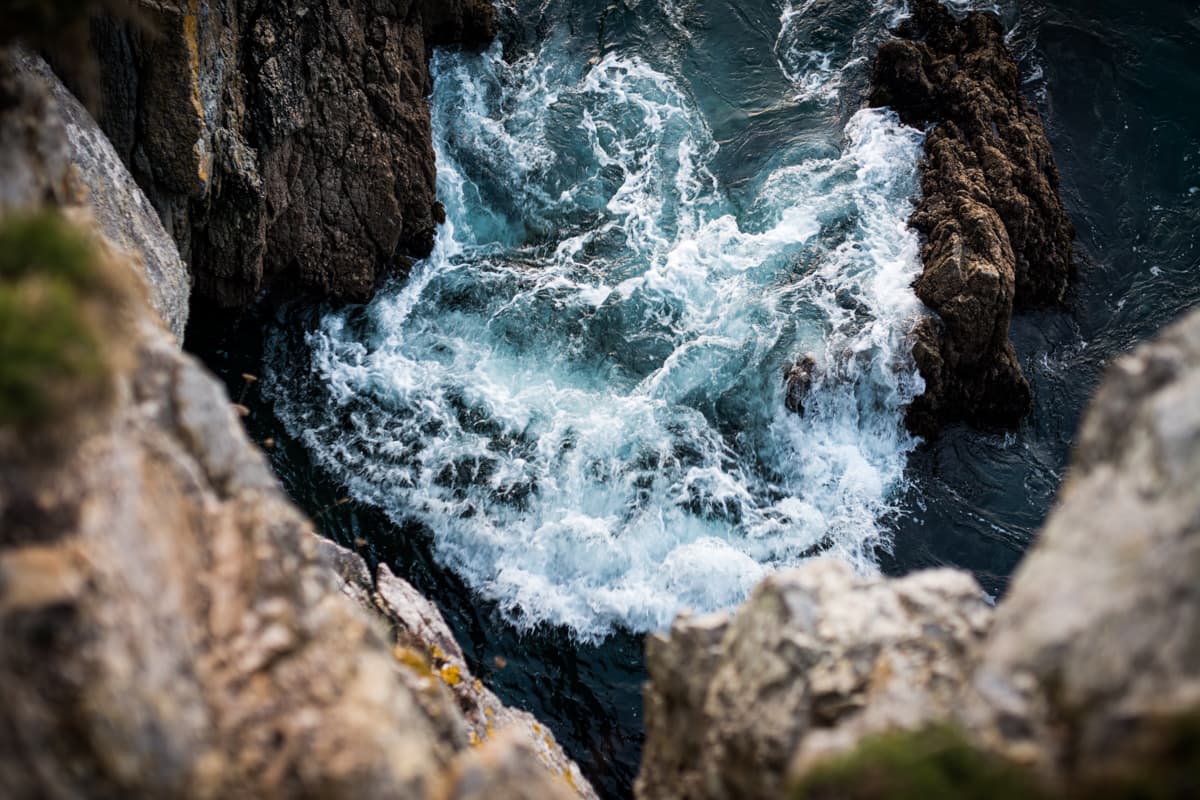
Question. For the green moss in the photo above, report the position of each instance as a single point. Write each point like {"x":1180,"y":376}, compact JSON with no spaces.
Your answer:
{"x":52,"y":355}
{"x":936,"y":763}
{"x":46,"y":245}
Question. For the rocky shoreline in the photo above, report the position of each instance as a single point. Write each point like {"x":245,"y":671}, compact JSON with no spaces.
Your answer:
{"x":173,"y":626}
{"x":1082,"y":682}
{"x":995,"y":236}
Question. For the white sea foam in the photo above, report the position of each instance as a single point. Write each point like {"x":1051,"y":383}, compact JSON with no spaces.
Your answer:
{"x":580,"y":393}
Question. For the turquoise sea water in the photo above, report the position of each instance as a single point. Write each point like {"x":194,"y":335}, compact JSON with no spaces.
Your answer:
{"x":569,"y":422}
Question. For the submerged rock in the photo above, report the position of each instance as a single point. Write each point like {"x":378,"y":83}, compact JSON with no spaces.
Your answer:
{"x":284,"y":144}
{"x":798,"y":382}
{"x":996,"y":235}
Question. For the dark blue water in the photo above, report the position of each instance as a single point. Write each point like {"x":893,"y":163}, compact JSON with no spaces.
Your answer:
{"x":762,"y":100}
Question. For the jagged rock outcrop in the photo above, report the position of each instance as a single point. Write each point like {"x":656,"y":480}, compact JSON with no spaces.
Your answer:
{"x":815,"y":658}
{"x":1085,"y":682}
{"x":1099,"y":635}
{"x":170,"y":624}
{"x":996,"y":235}
{"x":283,"y":143}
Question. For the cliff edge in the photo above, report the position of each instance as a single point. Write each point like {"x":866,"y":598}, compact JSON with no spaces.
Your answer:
{"x":170,"y":624}
{"x":284,"y":144}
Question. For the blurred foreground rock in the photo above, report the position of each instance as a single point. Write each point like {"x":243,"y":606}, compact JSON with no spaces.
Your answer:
{"x":1085,"y":680}
{"x":170,"y":624}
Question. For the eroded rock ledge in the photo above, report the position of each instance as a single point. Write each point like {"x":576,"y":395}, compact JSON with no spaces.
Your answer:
{"x":1083,"y":683}
{"x":284,"y":144}
{"x":996,"y":236}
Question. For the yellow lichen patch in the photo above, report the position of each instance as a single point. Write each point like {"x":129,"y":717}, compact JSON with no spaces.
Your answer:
{"x":475,"y":740}
{"x":478,"y":684}
{"x":451,"y":675}
{"x":570,"y":778}
{"x":436,"y":652}
{"x":413,"y":660}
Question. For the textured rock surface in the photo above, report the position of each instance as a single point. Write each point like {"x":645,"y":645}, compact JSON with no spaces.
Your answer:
{"x":118,"y":206}
{"x":170,"y":625}
{"x":167,"y":626}
{"x":816,"y":656}
{"x":421,"y":634}
{"x":1100,"y":632}
{"x":996,"y":236}
{"x":284,"y":143}
{"x":52,"y":152}
{"x":1083,"y":671}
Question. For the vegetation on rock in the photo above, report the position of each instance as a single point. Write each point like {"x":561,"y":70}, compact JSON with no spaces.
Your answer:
{"x":929,"y":764}
{"x":57,"y":297}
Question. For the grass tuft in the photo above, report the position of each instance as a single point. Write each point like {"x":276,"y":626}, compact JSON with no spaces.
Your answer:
{"x":57,"y":297}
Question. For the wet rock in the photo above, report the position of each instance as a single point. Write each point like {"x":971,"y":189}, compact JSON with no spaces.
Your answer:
{"x":284,"y":145}
{"x":996,"y":236}
{"x":816,"y":657}
{"x":798,"y":382}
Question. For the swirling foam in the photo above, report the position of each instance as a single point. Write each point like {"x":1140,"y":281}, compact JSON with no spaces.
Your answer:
{"x":580,"y":393}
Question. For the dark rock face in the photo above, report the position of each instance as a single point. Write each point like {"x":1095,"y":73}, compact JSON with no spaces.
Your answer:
{"x":996,"y":236}
{"x":284,"y":144}
{"x":798,"y":382}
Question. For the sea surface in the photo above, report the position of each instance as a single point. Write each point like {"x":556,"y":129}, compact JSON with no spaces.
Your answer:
{"x":569,"y":423}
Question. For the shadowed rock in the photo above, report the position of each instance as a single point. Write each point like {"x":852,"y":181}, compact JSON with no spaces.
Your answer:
{"x":284,"y":144}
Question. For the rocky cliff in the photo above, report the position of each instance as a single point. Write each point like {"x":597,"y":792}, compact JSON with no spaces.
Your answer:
{"x":995,"y":235}
{"x":170,"y":625}
{"x":1084,"y":682}
{"x":284,"y":144}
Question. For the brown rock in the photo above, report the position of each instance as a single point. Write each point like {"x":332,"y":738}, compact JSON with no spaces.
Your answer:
{"x":798,"y":383}
{"x":287,"y":144}
{"x":996,"y":236}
